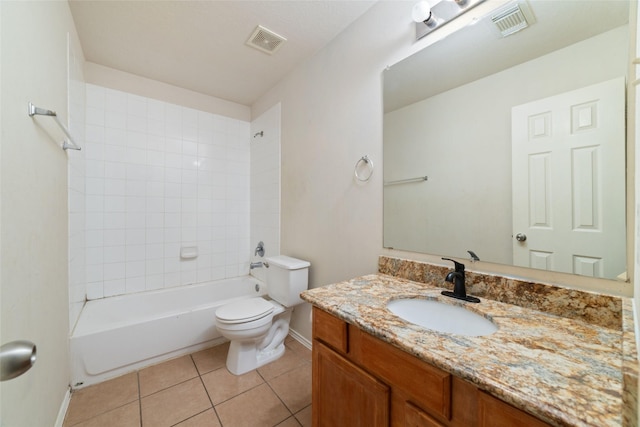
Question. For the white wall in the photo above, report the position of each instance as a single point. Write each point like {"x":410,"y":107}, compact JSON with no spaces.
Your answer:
{"x":76,"y":180}
{"x":265,"y":186}
{"x":160,"y":177}
{"x":331,"y":116}
{"x":427,"y":138}
{"x":136,"y":85}
{"x":34,"y":232}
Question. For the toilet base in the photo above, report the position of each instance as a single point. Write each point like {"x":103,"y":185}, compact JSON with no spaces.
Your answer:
{"x":247,"y":355}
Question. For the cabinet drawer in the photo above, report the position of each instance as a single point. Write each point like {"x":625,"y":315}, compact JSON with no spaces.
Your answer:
{"x":426,"y":386}
{"x":330,"y":330}
{"x":493,"y":412}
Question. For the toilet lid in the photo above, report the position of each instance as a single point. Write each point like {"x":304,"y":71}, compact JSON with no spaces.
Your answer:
{"x":244,"y":311}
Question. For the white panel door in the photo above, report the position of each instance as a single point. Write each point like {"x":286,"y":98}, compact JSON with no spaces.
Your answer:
{"x":568,"y":160}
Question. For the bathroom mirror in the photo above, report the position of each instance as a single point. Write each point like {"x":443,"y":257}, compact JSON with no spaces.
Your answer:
{"x":462,"y":113}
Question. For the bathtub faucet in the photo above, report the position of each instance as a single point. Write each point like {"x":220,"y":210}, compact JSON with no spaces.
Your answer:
{"x":258,"y":264}
{"x":259,"y":249}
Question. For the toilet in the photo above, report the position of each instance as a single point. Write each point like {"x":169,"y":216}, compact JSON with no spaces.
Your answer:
{"x":257,"y":327}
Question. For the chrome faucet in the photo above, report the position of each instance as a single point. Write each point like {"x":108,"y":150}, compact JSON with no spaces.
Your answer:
{"x":258,"y":264}
{"x":259,"y":249}
{"x":457,"y":278}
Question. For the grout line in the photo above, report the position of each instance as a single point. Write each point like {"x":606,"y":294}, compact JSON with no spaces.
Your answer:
{"x":280,"y":399}
{"x":300,"y":422}
{"x":193,"y":416}
{"x":207,"y":391}
{"x":168,"y":387}
{"x":241,"y":393}
{"x":139,"y":398}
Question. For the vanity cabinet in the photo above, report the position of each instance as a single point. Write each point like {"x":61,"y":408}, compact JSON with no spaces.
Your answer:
{"x":359,"y":380}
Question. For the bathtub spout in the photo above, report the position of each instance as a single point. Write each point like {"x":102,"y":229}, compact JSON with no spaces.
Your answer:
{"x":258,"y":264}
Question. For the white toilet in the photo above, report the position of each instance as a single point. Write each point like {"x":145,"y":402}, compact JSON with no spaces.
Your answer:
{"x":257,"y":327}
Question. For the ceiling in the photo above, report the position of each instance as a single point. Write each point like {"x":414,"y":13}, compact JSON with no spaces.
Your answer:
{"x":200,"y":45}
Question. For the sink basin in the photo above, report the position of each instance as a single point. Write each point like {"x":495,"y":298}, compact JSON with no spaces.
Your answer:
{"x":441,"y":317}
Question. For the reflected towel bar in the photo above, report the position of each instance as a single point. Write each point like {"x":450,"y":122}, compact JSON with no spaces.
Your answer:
{"x":404,"y":181}
{"x":71,"y":144}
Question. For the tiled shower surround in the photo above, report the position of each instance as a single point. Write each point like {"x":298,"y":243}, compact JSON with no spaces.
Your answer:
{"x":160,"y":177}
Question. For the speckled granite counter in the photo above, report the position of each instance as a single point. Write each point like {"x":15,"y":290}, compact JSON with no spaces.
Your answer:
{"x":565,"y":371}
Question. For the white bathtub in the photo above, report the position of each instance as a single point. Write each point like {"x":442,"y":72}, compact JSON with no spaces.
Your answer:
{"x":121,"y":334}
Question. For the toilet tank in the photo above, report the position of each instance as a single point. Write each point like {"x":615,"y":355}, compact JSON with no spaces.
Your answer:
{"x":286,"y":278}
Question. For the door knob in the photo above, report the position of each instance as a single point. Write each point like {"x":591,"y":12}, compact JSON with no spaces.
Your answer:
{"x":521,"y":237}
{"x":16,"y":358}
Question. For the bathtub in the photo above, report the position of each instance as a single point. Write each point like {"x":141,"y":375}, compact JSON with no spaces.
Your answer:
{"x":117,"y":335}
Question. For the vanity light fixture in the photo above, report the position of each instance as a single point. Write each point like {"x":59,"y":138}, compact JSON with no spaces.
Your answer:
{"x":432,"y":14}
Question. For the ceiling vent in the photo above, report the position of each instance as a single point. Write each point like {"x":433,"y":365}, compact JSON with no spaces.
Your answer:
{"x":265,"y":40}
{"x":513,"y":19}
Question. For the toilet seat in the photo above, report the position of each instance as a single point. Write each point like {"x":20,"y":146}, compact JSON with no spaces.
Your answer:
{"x":244,"y":311}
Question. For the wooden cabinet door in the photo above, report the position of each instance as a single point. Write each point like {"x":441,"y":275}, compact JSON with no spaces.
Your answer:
{"x":416,"y":417}
{"x":344,"y":394}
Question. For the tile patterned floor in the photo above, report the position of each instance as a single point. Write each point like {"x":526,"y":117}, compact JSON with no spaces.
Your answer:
{"x":197,"y":391}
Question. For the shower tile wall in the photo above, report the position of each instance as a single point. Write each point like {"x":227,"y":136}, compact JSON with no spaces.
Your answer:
{"x":265,"y":184}
{"x":160,"y":177}
{"x":75,"y":183}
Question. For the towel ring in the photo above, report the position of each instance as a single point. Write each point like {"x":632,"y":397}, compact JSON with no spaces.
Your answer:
{"x":367,"y":161}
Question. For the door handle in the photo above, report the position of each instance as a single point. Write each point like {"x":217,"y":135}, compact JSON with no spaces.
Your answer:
{"x":521,"y":237}
{"x":16,"y":358}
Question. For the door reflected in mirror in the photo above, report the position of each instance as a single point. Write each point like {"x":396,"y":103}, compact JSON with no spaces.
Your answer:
{"x":515,"y":140}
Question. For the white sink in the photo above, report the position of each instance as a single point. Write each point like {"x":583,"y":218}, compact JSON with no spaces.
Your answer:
{"x":441,"y":317}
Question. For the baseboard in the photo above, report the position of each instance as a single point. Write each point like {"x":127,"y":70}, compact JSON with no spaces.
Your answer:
{"x":63,"y":408}
{"x":302,"y":340}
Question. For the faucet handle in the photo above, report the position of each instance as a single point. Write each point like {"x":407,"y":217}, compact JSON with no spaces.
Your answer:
{"x":259,"y":249}
{"x":458,"y":265}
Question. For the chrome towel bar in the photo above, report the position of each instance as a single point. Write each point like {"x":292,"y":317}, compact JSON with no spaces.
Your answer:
{"x":404,"y":181}
{"x":70,"y":144}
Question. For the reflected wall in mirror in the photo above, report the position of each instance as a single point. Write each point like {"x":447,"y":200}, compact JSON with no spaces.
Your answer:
{"x":453,"y":112}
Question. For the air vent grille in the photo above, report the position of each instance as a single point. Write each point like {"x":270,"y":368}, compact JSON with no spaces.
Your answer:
{"x":265,"y":40}
{"x":510,"y":21}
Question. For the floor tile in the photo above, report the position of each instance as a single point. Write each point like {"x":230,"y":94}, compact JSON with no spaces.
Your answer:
{"x":97,"y":399}
{"x":173,"y":393}
{"x":205,"y":419}
{"x":211,"y":359}
{"x":304,"y":417}
{"x":167,"y":374}
{"x":294,"y":387}
{"x":289,"y":360}
{"x":289,"y":422}
{"x":175,"y":404}
{"x":299,"y":349}
{"x":223,"y":385}
{"x":124,"y":416}
{"x":258,"y":407}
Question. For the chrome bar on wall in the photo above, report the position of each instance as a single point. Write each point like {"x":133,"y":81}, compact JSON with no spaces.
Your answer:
{"x":404,"y":181}
{"x":70,"y":144}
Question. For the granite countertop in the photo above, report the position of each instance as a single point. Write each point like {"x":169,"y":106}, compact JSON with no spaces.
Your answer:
{"x":564,"y":371}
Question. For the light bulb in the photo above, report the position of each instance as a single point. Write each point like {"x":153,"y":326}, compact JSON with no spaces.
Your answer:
{"x":421,"y":12}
